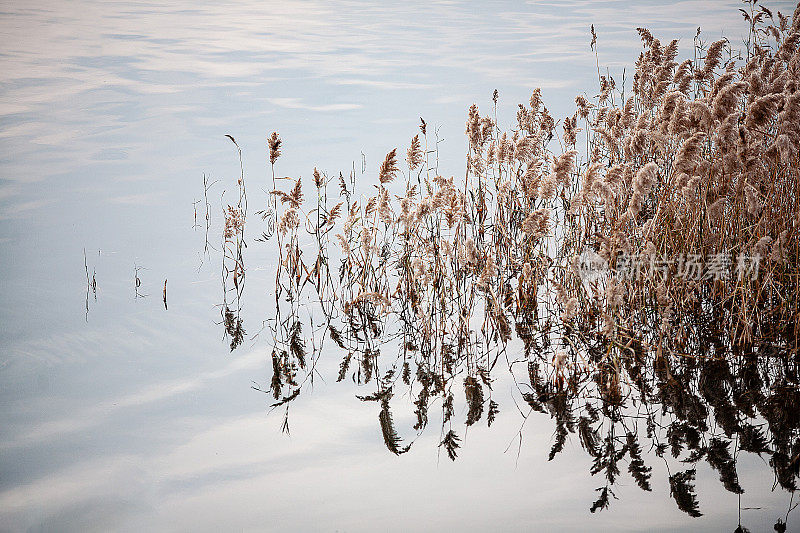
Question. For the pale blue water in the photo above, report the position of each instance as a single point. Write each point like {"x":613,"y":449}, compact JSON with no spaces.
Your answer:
{"x":139,"y":418}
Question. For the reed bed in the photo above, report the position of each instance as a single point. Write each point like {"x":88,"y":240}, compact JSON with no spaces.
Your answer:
{"x":634,"y":266}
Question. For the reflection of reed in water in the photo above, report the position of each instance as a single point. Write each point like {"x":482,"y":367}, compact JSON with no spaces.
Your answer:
{"x":440,"y":279}
{"x":137,"y":282}
{"x":91,"y":282}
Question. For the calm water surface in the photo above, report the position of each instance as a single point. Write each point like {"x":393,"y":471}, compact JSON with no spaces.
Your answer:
{"x":132,"y":417}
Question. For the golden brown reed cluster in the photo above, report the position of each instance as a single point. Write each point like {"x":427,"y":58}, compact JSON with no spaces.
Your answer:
{"x":692,"y":170}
